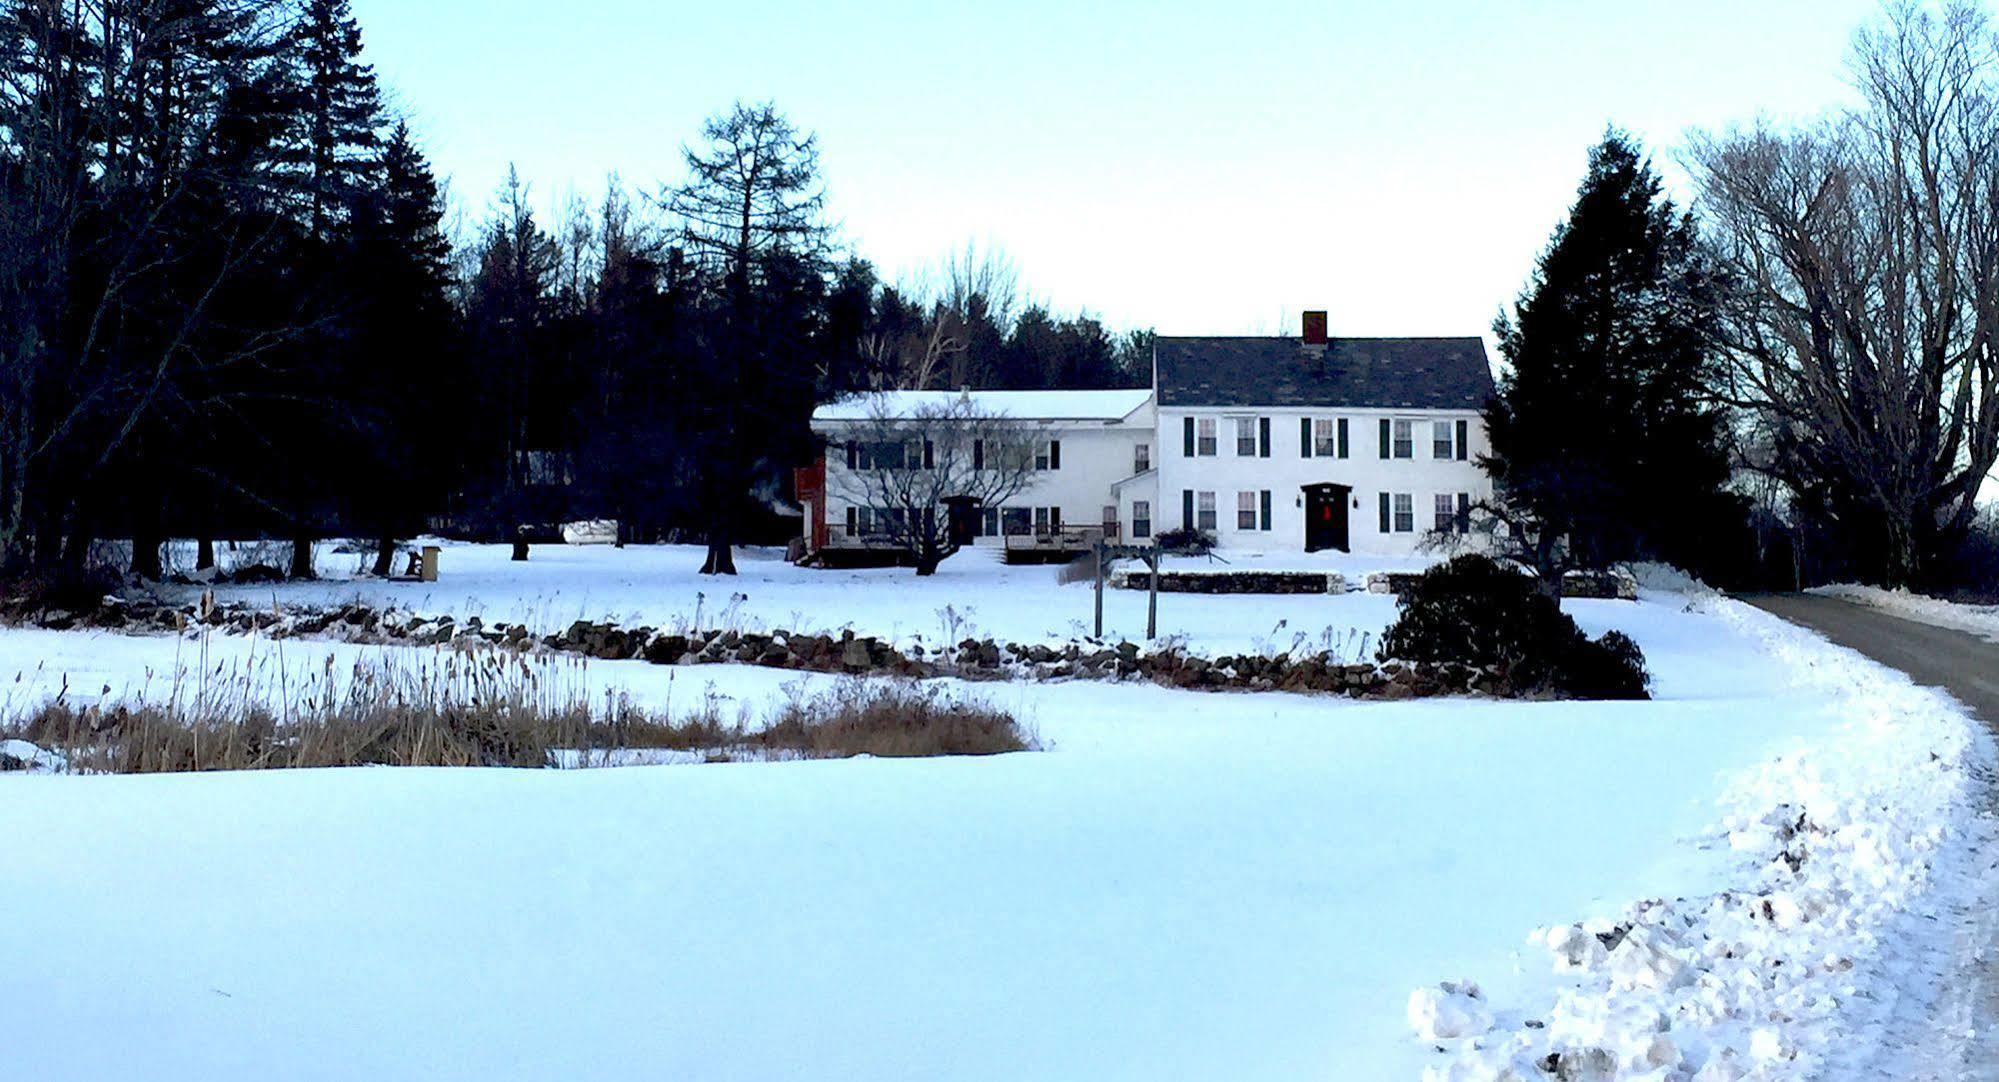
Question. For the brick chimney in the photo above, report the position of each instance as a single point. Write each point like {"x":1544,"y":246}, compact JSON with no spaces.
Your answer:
{"x":1315,"y":329}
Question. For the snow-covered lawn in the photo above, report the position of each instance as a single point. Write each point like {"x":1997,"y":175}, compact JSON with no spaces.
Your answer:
{"x":1182,"y":885}
{"x":1980,"y":620}
{"x":972,"y":594}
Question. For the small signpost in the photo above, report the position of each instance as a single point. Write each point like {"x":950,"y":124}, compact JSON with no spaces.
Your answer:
{"x":1106,"y":552}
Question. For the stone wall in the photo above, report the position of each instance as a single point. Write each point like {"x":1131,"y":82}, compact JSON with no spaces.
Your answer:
{"x":845,"y":652}
{"x":1234,"y":582}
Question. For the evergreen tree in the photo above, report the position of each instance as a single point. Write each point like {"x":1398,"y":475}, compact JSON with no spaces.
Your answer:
{"x":330,"y":157}
{"x":407,"y":387}
{"x":339,"y":112}
{"x":1605,"y":445}
{"x":509,"y":307}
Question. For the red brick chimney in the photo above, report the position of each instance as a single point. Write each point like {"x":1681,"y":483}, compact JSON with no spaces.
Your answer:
{"x":1315,"y":328}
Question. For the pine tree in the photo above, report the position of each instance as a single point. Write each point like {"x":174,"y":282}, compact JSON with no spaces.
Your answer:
{"x":405,"y":384}
{"x":1605,"y":444}
{"x":340,"y":113}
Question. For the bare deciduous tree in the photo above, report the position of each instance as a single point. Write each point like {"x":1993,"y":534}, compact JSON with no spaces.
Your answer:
{"x":906,"y":468}
{"x":1865,"y":252}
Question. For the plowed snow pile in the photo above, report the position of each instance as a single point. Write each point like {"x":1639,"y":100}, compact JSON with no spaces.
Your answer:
{"x":1832,"y":942}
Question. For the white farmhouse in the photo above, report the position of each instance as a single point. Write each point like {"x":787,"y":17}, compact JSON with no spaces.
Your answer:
{"x":1313,"y":443}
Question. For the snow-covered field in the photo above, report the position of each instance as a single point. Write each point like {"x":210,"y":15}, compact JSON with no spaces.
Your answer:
{"x":1182,"y":885}
{"x":972,"y":594}
{"x":1980,"y":620}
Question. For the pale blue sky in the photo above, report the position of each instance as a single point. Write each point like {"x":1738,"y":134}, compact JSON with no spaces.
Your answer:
{"x":1210,"y":168}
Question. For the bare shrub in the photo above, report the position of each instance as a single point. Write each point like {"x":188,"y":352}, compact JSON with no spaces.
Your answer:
{"x":892,"y":720}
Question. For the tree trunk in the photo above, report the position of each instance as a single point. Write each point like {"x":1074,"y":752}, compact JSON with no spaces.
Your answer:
{"x":76,"y":552}
{"x":721,"y":557}
{"x":520,"y":550}
{"x":385,"y":557}
{"x":302,"y":556}
{"x":146,"y":563}
{"x":204,"y":554}
{"x":721,"y":548}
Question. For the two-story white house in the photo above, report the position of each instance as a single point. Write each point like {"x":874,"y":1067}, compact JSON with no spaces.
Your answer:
{"x":1362,"y":445}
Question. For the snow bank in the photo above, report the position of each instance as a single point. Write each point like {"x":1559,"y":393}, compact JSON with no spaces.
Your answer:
{"x":1826,"y":940}
{"x":19,"y":755}
{"x":1980,"y":620}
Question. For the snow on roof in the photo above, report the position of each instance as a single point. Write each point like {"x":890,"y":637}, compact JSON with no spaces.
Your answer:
{"x":1020,"y":405}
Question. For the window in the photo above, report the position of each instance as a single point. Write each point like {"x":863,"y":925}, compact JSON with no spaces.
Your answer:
{"x":1017,"y":521}
{"x":1324,"y":442}
{"x":893,"y":455}
{"x":1405,"y":439}
{"x":1405,"y":513}
{"x":1141,"y":518}
{"x":978,"y":454}
{"x":1048,"y":455}
{"x":1141,"y":458}
{"x":1245,"y":437}
{"x":989,"y":522}
{"x":1041,"y":520}
{"x":1442,"y":443}
{"x":870,"y":521}
{"x":1447,"y":513}
{"x":1245,"y":510}
{"x":1204,"y":437}
{"x":1204,"y":502}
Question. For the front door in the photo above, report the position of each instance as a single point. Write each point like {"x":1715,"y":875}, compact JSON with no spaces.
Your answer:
{"x":1326,"y":517}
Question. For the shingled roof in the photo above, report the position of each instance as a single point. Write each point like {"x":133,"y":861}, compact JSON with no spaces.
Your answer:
{"x":1351,"y":373}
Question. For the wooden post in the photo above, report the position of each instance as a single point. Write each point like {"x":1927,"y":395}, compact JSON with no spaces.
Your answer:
{"x":1152,"y":599}
{"x":1098,"y":548}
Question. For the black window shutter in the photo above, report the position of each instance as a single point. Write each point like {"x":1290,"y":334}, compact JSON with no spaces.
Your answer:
{"x":1054,"y":454}
{"x":1055,"y":518}
{"x":853,"y":457}
{"x":1304,"y":437}
{"x":1387,"y":520}
{"x":978,"y":454}
{"x":1464,"y":510}
{"x":1386,"y":438}
{"x":1343,"y":437}
{"x":1266,"y":510}
{"x":1263,"y":437}
{"x":853,"y":521}
{"x":929,"y":456}
{"x":1187,"y":509}
{"x":1464,"y":440}
{"x":1190,"y":437}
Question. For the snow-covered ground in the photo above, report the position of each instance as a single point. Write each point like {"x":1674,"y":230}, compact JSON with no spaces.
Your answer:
{"x":1980,"y":620}
{"x":1848,"y":939}
{"x":1182,"y":885}
{"x":973,"y":594}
